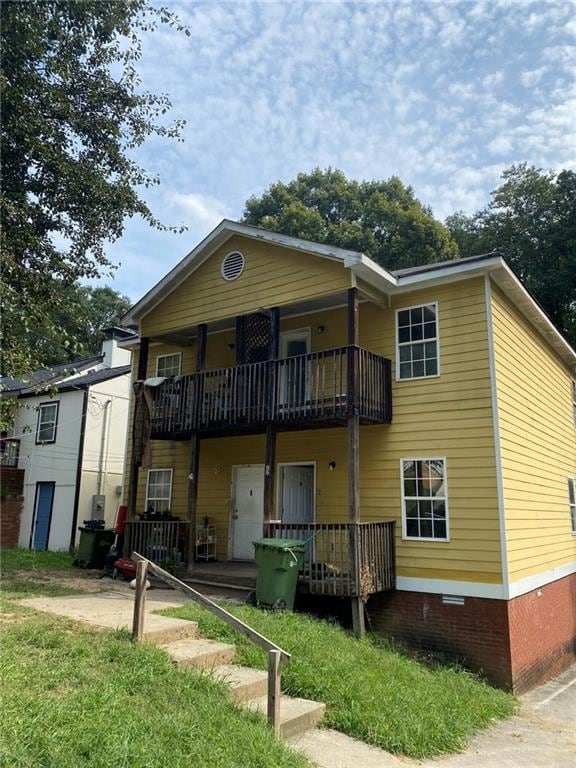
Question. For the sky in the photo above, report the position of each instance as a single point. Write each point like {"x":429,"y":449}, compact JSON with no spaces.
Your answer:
{"x":444,"y":95}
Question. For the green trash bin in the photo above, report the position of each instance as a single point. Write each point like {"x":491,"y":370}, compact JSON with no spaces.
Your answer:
{"x":278,"y":562}
{"x":93,"y":546}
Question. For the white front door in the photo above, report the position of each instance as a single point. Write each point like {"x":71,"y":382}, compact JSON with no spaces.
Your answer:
{"x":247,"y":510}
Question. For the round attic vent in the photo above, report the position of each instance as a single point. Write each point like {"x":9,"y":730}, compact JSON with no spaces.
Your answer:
{"x":232,"y":265}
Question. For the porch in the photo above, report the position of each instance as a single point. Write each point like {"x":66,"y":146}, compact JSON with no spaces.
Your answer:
{"x":340,"y":559}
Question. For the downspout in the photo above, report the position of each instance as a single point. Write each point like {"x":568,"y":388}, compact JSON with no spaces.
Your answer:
{"x":103,"y":445}
{"x":79,"y":469}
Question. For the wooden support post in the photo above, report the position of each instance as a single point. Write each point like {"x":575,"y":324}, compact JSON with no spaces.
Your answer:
{"x":269,"y":473}
{"x":240,"y":346}
{"x":201,"y":347}
{"x":137,"y":424}
{"x":274,"y":691}
{"x":139,"y":601}
{"x":274,"y":333}
{"x":354,"y":458}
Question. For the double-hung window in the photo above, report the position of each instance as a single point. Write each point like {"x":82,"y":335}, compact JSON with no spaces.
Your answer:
{"x":47,"y":420}
{"x":424,"y":499}
{"x":168,"y":365}
{"x":572,"y":503}
{"x":159,"y":490}
{"x":417,"y":342}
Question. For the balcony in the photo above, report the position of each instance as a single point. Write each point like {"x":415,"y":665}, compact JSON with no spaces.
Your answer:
{"x":319,"y":389}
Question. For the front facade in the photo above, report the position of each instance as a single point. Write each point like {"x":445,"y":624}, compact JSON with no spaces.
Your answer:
{"x":419,"y":424}
{"x":69,"y":438}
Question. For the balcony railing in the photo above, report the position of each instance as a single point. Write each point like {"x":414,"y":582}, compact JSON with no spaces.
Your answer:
{"x":319,"y":387}
{"x":163,"y":541}
{"x":330,"y":552}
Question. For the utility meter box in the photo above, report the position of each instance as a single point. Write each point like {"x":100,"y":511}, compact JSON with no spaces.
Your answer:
{"x":98,"y":506}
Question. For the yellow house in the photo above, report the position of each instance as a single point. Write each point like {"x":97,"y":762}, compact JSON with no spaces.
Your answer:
{"x":416,"y":428}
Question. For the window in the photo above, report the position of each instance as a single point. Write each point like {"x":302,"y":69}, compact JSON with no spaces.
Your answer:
{"x":424,"y":507}
{"x":417,"y":342}
{"x":47,"y":418}
{"x":168,"y":365}
{"x":572,"y":503}
{"x":159,"y":490}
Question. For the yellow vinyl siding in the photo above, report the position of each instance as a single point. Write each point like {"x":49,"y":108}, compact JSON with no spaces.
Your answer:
{"x":538,"y":444}
{"x":448,"y":416}
{"x":273,"y":276}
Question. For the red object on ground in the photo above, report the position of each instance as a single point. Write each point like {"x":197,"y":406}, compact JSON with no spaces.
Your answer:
{"x":126,"y":567}
{"x":121,"y":519}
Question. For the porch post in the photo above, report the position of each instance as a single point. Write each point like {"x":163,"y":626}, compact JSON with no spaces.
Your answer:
{"x":354,"y":458}
{"x":270,"y":461}
{"x":194,"y":463}
{"x":137,"y":426}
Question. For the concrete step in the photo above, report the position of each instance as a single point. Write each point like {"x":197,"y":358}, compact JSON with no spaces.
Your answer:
{"x":168,"y":631}
{"x":296,"y":715}
{"x":200,"y":653}
{"x":245,"y":683}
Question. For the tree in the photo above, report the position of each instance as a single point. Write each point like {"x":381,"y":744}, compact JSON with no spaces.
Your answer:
{"x":383,"y":219}
{"x":72,"y":112}
{"x":531,"y":221}
{"x":80,"y":317}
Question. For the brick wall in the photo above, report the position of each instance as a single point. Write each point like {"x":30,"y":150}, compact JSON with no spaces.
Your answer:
{"x":516,"y":644}
{"x":474,"y":634}
{"x":542,"y":632}
{"x":11,"y":485}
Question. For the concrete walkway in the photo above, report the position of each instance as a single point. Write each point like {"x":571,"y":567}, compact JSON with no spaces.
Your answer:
{"x":542,"y":735}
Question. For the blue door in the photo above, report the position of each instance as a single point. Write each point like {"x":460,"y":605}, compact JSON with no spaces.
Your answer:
{"x":42,"y":515}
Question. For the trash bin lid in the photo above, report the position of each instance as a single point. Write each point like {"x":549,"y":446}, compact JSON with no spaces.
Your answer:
{"x":283,"y":544}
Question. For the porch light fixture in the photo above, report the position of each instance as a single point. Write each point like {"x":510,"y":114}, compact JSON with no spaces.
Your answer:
{"x":332,"y":466}
{"x":320,"y":329}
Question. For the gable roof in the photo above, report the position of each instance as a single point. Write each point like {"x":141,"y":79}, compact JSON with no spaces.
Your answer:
{"x":46,"y":376}
{"x":388,"y":282}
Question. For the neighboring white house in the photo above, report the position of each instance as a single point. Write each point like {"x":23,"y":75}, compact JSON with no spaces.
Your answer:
{"x":70,"y":438}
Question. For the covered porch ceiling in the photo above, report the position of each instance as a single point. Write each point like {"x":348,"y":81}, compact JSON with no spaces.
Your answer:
{"x":187,"y":336}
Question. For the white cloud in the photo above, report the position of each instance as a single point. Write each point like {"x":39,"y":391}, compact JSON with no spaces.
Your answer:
{"x":532,"y":77}
{"x":201,"y":212}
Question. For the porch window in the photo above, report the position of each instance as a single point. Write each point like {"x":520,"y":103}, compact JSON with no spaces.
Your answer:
{"x":159,"y":490}
{"x":424,"y":499}
{"x":47,"y":420}
{"x":572,"y":503}
{"x":417,"y":342}
{"x":168,"y":365}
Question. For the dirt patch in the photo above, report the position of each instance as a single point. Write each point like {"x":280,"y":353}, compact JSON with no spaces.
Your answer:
{"x":83,"y":581}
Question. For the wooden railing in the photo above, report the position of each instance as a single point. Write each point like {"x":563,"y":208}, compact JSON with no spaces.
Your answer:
{"x":276,"y":656}
{"x":332,"y":551}
{"x":321,"y":386}
{"x":163,"y":541}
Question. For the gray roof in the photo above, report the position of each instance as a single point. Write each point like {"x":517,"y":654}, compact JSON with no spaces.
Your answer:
{"x":442,"y":264}
{"x":94,"y":377}
{"x":47,"y":375}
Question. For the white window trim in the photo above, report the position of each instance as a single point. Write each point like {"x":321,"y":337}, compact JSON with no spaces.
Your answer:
{"x":170,"y":354}
{"x":159,"y":469}
{"x":573,"y":398}
{"x":437,"y":339}
{"x":405,"y":537}
{"x":295,"y":334}
{"x":41,"y":408}
{"x":572,"y":480}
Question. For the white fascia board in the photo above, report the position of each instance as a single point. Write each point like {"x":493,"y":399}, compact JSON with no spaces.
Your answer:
{"x":521,"y":298}
{"x":447,"y":274}
{"x":219,"y":235}
{"x":372,"y":273}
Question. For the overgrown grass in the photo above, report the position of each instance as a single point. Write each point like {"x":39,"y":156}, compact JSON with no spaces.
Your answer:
{"x":371,"y":691}
{"x":22,"y":573}
{"x":77,"y":698}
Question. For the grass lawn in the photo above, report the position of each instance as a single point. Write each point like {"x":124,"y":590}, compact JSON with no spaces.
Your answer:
{"x":74,"y":697}
{"x":372,"y":691}
{"x":23,"y":571}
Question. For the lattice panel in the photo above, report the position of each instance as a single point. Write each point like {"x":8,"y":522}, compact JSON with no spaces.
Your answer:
{"x":257,"y":337}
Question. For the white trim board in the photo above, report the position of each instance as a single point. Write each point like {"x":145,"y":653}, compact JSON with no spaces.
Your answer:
{"x":496,"y":434}
{"x":479,"y":589}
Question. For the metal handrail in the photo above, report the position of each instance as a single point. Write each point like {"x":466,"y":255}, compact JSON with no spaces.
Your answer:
{"x":276,"y":655}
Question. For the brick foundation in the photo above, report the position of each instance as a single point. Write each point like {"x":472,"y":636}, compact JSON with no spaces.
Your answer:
{"x":516,"y":644}
{"x":11,"y":484}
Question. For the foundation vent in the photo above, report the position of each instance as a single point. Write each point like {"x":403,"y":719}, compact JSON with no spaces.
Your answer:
{"x":452,"y":600}
{"x":232,"y":266}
